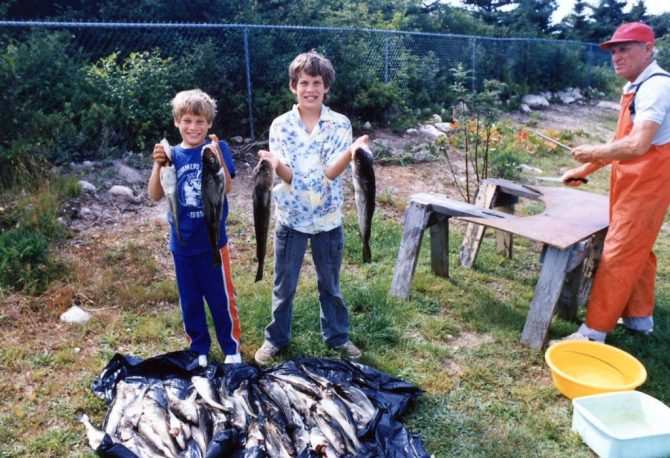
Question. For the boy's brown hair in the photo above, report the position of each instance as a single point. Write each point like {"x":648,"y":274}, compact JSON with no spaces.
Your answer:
{"x":193,"y":102}
{"x":313,"y":64}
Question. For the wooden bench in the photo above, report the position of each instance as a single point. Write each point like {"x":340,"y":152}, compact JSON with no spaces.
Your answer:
{"x":572,"y":228}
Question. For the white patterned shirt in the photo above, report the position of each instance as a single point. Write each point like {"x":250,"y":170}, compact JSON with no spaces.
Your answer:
{"x":311,"y":203}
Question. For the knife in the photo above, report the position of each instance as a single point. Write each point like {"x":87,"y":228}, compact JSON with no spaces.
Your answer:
{"x":559,"y":180}
{"x":549,"y":139}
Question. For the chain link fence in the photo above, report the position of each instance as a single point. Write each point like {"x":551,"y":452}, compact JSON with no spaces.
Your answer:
{"x":253,"y":60}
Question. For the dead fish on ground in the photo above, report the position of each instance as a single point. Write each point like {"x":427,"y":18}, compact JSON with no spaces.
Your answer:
{"x":94,"y":435}
{"x":168,"y":178}
{"x":126,"y":394}
{"x":184,"y":408}
{"x":212,"y":190}
{"x":364,"y":191}
{"x":208,"y":394}
{"x":263,"y":177}
{"x":153,"y":426}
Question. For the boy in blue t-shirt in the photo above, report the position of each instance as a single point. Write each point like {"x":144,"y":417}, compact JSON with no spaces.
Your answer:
{"x":197,"y":276}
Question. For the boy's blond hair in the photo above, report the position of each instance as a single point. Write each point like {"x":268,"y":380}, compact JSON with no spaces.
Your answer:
{"x":193,"y":102}
{"x":313,"y":64}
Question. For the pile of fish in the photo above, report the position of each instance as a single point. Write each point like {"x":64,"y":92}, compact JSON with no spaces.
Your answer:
{"x":169,"y":407}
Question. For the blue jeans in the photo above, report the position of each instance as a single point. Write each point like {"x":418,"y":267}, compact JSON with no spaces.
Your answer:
{"x":327,"y":253}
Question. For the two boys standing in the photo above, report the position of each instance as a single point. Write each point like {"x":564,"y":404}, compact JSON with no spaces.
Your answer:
{"x":310,"y":147}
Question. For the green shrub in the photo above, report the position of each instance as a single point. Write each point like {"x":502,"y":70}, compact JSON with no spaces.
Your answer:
{"x":607,"y":81}
{"x":25,"y":263}
{"x":129,"y":100}
{"x":506,"y":164}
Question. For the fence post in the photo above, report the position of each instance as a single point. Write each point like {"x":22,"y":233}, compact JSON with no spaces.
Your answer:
{"x":252,"y":135}
{"x":589,"y":62}
{"x":386,"y":59}
{"x":474,"y":64}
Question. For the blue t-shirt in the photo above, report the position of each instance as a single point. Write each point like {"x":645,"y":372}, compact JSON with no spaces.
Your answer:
{"x":192,"y":226}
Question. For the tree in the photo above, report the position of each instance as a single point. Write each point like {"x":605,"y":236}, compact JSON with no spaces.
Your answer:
{"x":531,"y":17}
{"x":576,"y":25}
{"x":638,"y":13}
{"x":610,"y":15}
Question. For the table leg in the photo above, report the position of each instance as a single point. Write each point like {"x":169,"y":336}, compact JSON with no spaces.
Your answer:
{"x":547,"y":292}
{"x":439,"y":248}
{"x":416,"y":219}
{"x":474,"y":233}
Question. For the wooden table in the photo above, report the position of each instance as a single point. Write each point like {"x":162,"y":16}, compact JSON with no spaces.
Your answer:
{"x":572,"y":228}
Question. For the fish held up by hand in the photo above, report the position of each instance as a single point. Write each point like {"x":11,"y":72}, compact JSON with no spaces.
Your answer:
{"x":263,"y":177}
{"x":212,"y":189}
{"x":364,"y":192}
{"x":168,"y":178}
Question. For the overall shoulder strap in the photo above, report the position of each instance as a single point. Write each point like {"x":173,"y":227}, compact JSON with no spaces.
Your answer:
{"x":631,"y":107}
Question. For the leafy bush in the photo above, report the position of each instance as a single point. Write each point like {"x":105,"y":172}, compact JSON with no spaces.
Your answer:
{"x":25,"y":263}
{"x":38,"y":78}
{"x":30,"y":224}
{"x":607,"y":81}
{"x":129,"y":99}
{"x":506,"y":164}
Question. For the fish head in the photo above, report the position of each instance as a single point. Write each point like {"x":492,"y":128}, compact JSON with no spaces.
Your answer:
{"x":263,"y":173}
{"x":362,"y":156}
{"x":210,"y":159}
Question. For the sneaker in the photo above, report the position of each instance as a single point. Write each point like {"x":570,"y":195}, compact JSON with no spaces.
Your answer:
{"x":233,"y":359}
{"x":202,"y":360}
{"x":352,"y":350}
{"x":574,"y":336}
{"x":265,"y":353}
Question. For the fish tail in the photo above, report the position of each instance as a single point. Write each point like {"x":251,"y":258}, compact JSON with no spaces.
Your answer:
{"x":367,"y":253}
{"x":216,"y":258}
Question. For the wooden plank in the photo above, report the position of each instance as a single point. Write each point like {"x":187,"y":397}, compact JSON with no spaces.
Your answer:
{"x":439,"y":248}
{"x":569,"y":217}
{"x":416,"y":218}
{"x":474,"y":233}
{"x":567,"y":302}
{"x":503,"y":238}
{"x":590,"y":266}
{"x":547,"y":292}
{"x":515,"y":189}
{"x":456,"y":208}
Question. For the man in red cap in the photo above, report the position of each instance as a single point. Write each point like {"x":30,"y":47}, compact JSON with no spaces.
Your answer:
{"x":639,"y":155}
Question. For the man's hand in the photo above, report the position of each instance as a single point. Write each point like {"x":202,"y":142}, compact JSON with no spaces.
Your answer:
{"x":585,"y":153}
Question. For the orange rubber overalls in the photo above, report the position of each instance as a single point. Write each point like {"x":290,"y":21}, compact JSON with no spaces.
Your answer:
{"x":639,"y":199}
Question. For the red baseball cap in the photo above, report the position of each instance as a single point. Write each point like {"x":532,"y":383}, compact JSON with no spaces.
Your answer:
{"x":632,"y":31}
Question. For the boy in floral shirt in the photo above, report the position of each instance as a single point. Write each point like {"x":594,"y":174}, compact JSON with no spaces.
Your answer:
{"x":310,"y":147}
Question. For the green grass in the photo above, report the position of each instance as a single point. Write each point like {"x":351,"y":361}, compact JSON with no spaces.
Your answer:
{"x":457,"y":338}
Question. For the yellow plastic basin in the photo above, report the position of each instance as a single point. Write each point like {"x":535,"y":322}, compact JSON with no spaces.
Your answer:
{"x":582,"y":368}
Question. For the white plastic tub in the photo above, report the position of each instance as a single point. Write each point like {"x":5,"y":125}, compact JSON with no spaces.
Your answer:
{"x":623,"y":424}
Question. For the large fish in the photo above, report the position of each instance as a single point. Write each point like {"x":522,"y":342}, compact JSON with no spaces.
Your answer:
{"x":168,"y":178}
{"x":364,"y":191}
{"x":262,"y":199}
{"x":154,"y":427}
{"x":94,"y":435}
{"x":212,"y":189}
{"x":206,"y":391}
